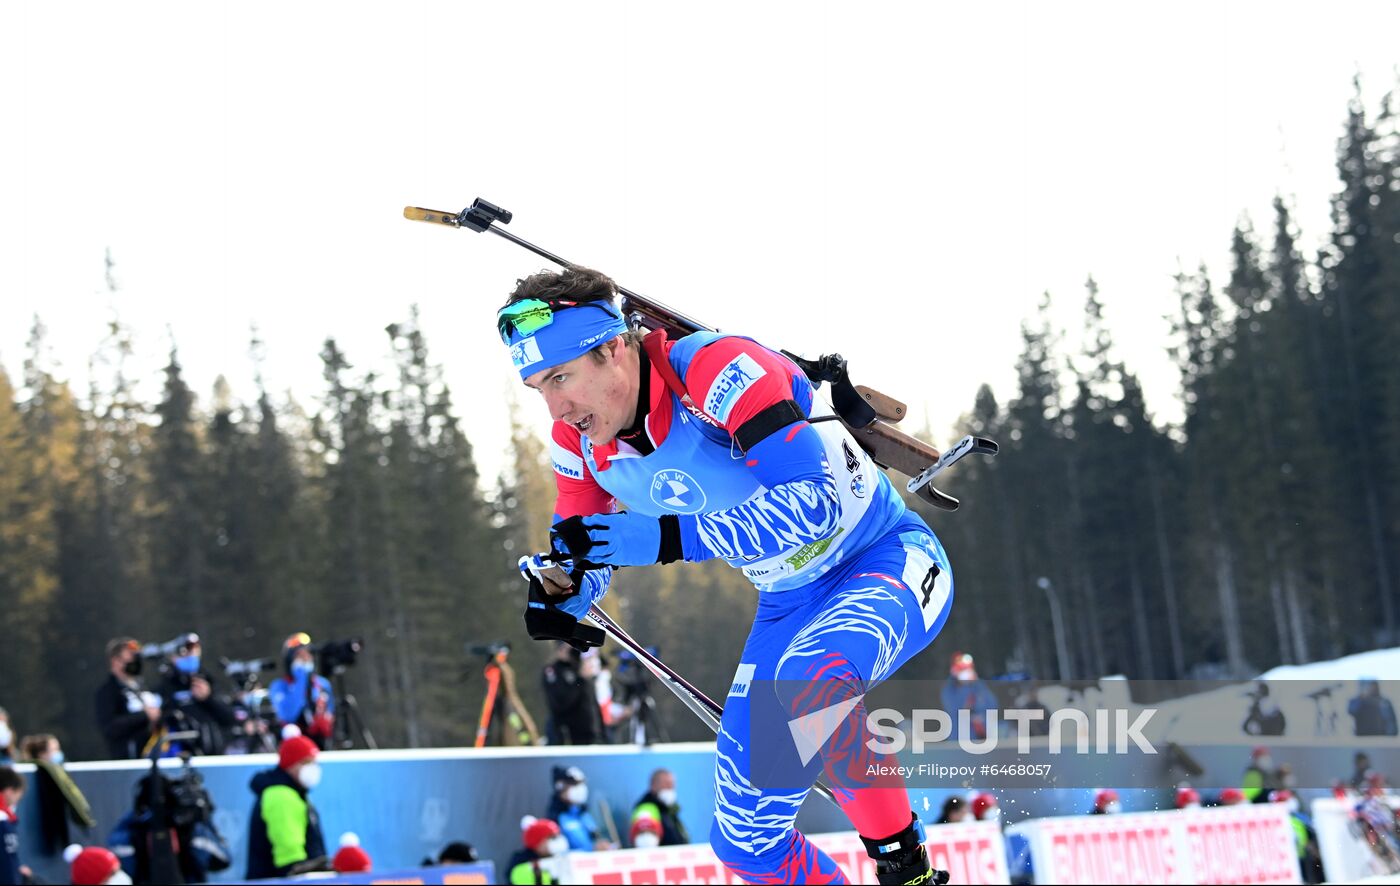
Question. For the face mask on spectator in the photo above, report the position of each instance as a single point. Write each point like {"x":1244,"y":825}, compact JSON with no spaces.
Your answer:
{"x":577,"y":794}
{"x":667,"y":796}
{"x":187,"y":664}
{"x":1112,"y":808}
{"x":993,"y":814}
{"x":57,"y":758}
{"x":6,"y":736}
{"x":1292,"y":804}
{"x":300,"y":667}
{"x":120,"y":878}
{"x":133,"y":667}
{"x":1265,"y":762}
{"x":646,"y":840}
{"x":310,"y":775}
{"x":556,"y":845}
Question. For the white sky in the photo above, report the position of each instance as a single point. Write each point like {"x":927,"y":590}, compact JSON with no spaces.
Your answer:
{"x":896,"y":181}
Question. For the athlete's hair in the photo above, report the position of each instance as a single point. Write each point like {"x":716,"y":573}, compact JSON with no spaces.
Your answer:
{"x":574,"y":283}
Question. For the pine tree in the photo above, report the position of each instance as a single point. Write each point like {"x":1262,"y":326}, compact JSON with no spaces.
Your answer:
{"x":177,"y":520}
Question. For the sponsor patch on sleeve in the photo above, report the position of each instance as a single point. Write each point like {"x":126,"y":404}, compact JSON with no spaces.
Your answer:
{"x":731,"y":382}
{"x":566,"y":463}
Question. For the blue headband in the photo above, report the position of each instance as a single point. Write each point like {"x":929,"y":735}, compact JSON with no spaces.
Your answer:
{"x":574,"y":332}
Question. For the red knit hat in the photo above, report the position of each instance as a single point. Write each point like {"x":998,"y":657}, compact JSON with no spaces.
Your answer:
{"x":350,"y":858}
{"x":644,"y":824}
{"x":981,"y":804}
{"x":537,"y":832}
{"x":91,"y":866}
{"x":294,"y":750}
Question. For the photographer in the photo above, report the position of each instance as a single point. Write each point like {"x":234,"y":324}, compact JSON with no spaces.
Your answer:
{"x":127,"y":715}
{"x":251,"y":709}
{"x":573,"y":709}
{"x":301,"y":696}
{"x":188,"y":696}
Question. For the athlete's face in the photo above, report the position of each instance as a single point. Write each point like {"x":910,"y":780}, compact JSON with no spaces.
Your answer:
{"x":597,"y":398}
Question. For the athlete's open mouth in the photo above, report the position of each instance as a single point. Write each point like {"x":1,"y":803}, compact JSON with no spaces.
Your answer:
{"x":584,"y":423}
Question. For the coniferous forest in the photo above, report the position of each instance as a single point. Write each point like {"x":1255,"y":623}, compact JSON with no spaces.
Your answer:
{"x":1263,"y":530}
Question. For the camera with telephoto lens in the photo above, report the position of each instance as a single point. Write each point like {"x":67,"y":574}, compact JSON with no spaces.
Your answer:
{"x":169,"y":648}
{"x":334,"y":658}
{"x":489,"y":650}
{"x":244,"y":674}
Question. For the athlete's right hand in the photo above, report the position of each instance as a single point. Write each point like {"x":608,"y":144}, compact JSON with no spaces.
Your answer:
{"x":558,"y":616}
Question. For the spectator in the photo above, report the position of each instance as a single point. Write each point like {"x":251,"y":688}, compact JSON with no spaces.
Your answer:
{"x":285,"y":830}
{"x":1305,"y":838}
{"x":985,"y":808}
{"x":1372,"y":712}
{"x":964,"y":692}
{"x":1187,"y":798}
{"x":1261,"y":776}
{"x":1232,"y":797}
{"x":302,"y":697}
{"x":1362,"y":763}
{"x":1106,"y":803}
{"x":1264,"y":717}
{"x":189,"y":702}
{"x":573,"y":710}
{"x":127,"y":715}
{"x":645,"y":833}
{"x":569,"y":809}
{"x":954,"y":810}
{"x":94,"y":866}
{"x":350,"y":858}
{"x":58,"y":795}
{"x":11,"y":790}
{"x":7,"y":739}
{"x":612,"y":714}
{"x":458,"y":853}
{"x":659,"y":802}
{"x":543,"y":841}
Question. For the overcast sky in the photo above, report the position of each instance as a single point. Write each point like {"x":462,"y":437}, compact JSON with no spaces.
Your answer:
{"x":896,"y":181}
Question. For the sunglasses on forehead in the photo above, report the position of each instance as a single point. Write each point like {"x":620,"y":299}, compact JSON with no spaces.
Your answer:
{"x":530,"y":315}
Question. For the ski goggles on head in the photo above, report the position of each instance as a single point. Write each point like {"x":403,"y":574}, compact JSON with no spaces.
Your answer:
{"x":530,"y":315}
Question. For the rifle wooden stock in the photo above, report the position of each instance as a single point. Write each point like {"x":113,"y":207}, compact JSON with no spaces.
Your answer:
{"x":892,"y":448}
{"x":885,"y":406}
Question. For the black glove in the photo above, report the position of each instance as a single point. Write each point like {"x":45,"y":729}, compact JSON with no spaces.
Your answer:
{"x":545,"y":620}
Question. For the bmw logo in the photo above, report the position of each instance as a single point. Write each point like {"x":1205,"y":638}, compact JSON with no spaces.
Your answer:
{"x":677,"y":492}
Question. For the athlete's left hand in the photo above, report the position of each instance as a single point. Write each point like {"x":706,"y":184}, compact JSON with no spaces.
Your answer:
{"x":622,"y":539}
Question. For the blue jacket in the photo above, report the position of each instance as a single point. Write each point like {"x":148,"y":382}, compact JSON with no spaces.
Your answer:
{"x":288,"y":696}
{"x":9,"y":846}
{"x":576,"y":823}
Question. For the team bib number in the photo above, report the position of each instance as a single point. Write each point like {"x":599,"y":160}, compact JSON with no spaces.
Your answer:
{"x":928,"y":582}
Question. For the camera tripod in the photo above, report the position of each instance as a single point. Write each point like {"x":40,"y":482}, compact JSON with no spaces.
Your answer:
{"x":350,"y":724}
{"x":646,"y":722}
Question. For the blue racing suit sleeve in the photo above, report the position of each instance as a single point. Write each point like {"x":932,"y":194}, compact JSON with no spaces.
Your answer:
{"x":799,"y":504}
